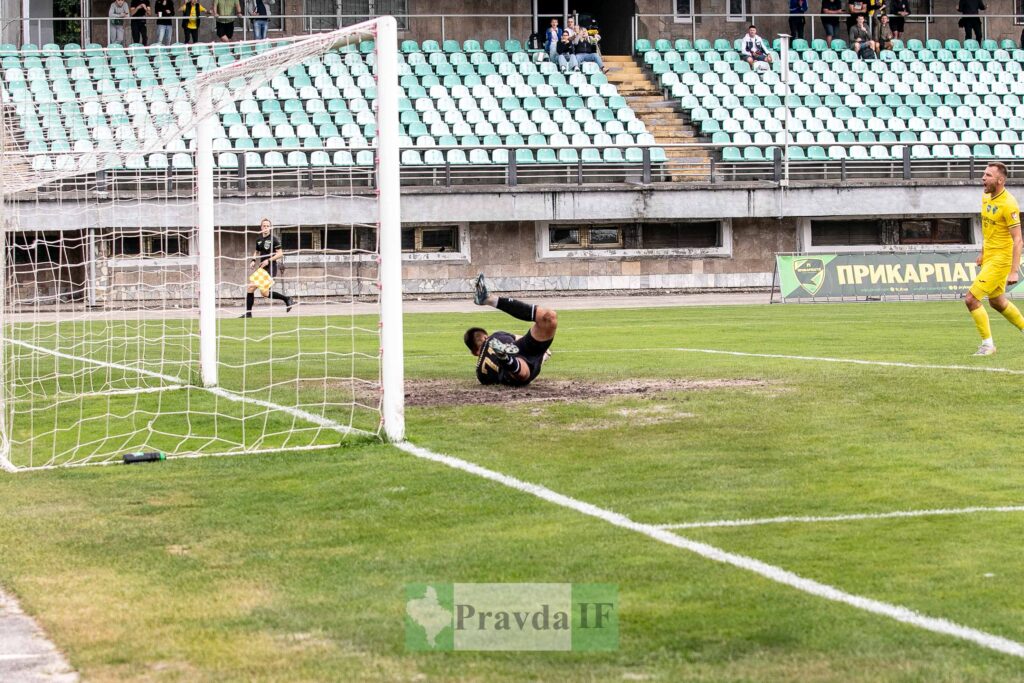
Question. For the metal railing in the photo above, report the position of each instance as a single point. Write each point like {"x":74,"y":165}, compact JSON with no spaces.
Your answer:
{"x":709,"y":25}
{"x":426,"y":26}
{"x":684,"y":164}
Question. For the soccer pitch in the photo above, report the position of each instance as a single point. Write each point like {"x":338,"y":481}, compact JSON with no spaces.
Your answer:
{"x":704,"y":425}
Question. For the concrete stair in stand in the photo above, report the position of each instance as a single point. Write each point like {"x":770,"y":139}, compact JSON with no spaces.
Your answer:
{"x":664,"y":118}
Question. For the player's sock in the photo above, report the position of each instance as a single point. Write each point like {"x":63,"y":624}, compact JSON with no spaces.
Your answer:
{"x":981,"y":322}
{"x":280,"y":297}
{"x":516,"y":309}
{"x":1012,"y":313}
{"x":250,"y":297}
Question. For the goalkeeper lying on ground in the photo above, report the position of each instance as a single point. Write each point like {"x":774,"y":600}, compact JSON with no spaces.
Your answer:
{"x":503,"y":358}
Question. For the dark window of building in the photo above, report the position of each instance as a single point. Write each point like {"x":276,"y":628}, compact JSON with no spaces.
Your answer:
{"x":167,"y":244}
{"x":148,"y":243}
{"x":33,"y":248}
{"x":911,"y":231}
{"x":696,"y":235}
{"x":127,"y":245}
{"x":600,"y":237}
{"x":565,"y":238}
{"x":300,"y":239}
{"x":703,"y":235}
{"x":684,"y":8}
{"x":431,"y":239}
{"x":935,"y":231}
{"x":604,"y":238}
{"x":845,"y":233}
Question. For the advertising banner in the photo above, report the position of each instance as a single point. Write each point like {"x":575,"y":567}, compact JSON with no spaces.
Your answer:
{"x":863,"y":276}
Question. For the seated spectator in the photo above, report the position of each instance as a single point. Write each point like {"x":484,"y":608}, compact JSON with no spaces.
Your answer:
{"x":551,"y":38}
{"x":856,"y":8}
{"x":883,"y":33}
{"x":567,"y":54}
{"x":899,"y":10}
{"x":753,"y":48}
{"x":971,"y":22}
{"x":587,"y":49}
{"x":860,"y":39}
{"x":829,"y":8}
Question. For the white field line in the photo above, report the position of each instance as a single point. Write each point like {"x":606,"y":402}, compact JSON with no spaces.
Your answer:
{"x":217,"y":391}
{"x":854,"y":361}
{"x":719,"y":352}
{"x":11,"y":658}
{"x":777,"y":574}
{"x":841,"y":518}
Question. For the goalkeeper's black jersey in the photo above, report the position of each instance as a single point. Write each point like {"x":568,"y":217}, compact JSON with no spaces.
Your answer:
{"x":492,"y":370}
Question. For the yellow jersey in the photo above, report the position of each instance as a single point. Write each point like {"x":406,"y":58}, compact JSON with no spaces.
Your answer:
{"x":998,"y":215}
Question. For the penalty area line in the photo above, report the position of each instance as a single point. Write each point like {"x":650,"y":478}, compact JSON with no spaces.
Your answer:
{"x":779,"y":575}
{"x":842,"y":518}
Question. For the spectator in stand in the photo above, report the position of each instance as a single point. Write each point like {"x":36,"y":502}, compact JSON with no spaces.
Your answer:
{"x":883,"y":33}
{"x":797,"y":10}
{"x":191,"y":11}
{"x":856,"y":8}
{"x":587,"y":49}
{"x":140,"y":10}
{"x":257,"y":9}
{"x":225,"y":11}
{"x":829,"y":10}
{"x":164,"y":12}
{"x":860,"y":39}
{"x":551,"y":39}
{"x":118,"y":14}
{"x":753,"y":48}
{"x":970,"y":21}
{"x":899,"y":10}
{"x":567,"y":54}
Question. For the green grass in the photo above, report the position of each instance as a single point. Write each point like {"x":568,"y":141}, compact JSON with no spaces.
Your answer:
{"x":293,"y":567}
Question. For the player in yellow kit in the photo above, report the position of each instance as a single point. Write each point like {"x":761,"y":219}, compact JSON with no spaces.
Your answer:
{"x":999,"y":259}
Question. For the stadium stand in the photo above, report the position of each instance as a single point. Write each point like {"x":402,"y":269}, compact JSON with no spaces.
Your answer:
{"x":460,"y":102}
{"x":942,"y":99}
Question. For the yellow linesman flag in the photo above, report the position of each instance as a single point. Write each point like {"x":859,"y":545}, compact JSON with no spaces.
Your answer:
{"x":262,"y":280}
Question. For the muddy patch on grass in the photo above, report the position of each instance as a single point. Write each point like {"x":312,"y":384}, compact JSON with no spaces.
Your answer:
{"x":434,"y":393}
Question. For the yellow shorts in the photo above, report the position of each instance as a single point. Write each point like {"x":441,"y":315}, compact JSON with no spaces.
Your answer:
{"x":991,"y":281}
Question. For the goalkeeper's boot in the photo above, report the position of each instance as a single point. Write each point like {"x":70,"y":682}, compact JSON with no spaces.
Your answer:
{"x":480,"y":289}
{"x":289,"y":304}
{"x":502,"y":350}
{"x":247,"y":314}
{"x":985,"y":350}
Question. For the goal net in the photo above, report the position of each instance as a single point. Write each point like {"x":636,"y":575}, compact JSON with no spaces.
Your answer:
{"x":133,"y":186}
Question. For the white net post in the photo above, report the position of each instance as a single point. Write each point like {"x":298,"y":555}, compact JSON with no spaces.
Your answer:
{"x":207,"y":260}
{"x":390,"y":232}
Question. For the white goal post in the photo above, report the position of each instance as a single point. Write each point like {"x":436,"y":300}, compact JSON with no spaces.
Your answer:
{"x":132,"y":186}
